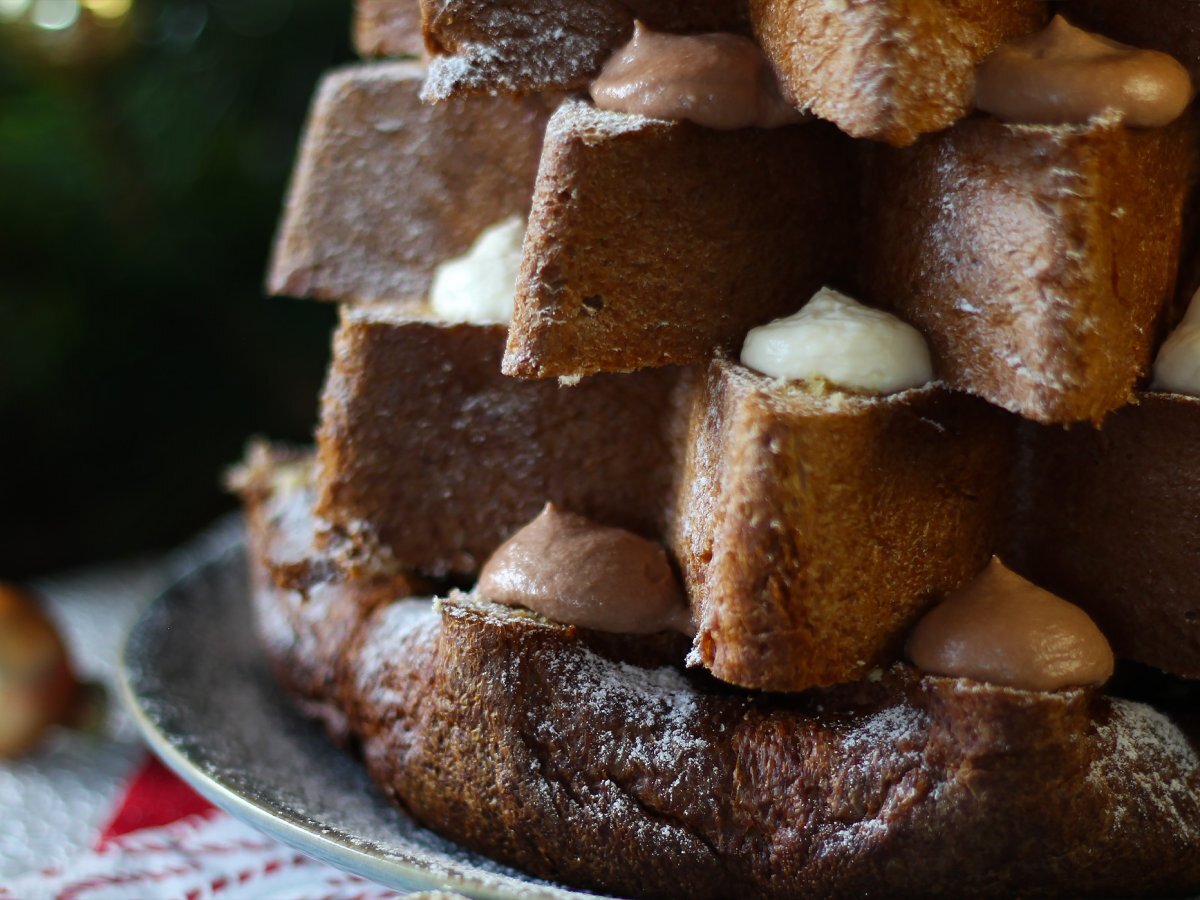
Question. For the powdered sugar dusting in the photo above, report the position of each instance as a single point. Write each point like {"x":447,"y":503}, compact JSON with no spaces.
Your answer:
{"x":580,"y":119}
{"x":892,"y":737}
{"x":405,"y":622}
{"x":450,"y":76}
{"x":524,"y":50}
{"x":1152,"y":770}
{"x":643,"y":773}
{"x":886,"y":730}
{"x":659,"y":704}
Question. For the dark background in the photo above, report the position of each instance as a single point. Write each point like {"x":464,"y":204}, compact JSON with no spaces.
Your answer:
{"x":143,"y":161}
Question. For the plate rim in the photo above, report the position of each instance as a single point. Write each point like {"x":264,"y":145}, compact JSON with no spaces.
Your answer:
{"x":396,"y":872}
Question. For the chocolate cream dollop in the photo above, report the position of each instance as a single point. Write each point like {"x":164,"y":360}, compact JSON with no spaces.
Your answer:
{"x":717,"y":80}
{"x":1065,"y":75}
{"x":574,"y":571}
{"x":1004,"y":630}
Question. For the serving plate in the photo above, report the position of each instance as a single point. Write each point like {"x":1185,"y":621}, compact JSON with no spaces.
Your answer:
{"x":195,"y":680}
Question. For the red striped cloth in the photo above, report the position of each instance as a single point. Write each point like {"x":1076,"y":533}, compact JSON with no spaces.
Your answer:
{"x":154,"y":797}
{"x":165,"y":841}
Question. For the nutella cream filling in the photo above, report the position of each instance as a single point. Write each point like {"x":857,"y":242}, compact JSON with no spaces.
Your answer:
{"x":1065,"y":75}
{"x":574,"y":571}
{"x":1177,"y":367}
{"x":1002,"y":629}
{"x":481,"y":285}
{"x":716,"y":80}
{"x":839,"y":341}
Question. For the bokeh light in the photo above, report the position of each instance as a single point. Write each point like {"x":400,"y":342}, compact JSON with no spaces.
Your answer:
{"x":55,"y":15}
{"x":11,"y":10}
{"x":144,"y":149}
{"x":108,"y":9}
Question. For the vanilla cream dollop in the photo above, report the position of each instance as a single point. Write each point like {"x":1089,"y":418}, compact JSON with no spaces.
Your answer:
{"x":1177,"y":368}
{"x":836,"y":339}
{"x":716,"y":80}
{"x":1004,"y":630}
{"x":480,"y":285}
{"x":1065,"y":75}
{"x":574,"y":571}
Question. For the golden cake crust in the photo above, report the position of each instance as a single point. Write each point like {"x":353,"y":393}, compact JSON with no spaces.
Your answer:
{"x":309,"y":605}
{"x":890,"y":70}
{"x":810,"y":531}
{"x":883,"y":69}
{"x":429,"y":452}
{"x":813,"y":531}
{"x":1037,"y":260}
{"x":388,"y":28}
{"x":654,"y":243}
{"x":485,"y":47}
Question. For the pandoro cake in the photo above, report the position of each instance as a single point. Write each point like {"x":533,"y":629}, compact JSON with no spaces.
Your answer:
{"x":350,"y":232}
{"x":535,"y":742}
{"x":309,"y":605}
{"x":798,"y":512}
{"x":526,"y":46}
{"x":1109,"y":517}
{"x":1054,"y":316}
{"x":653,"y":243}
{"x":1111,"y":526}
{"x":813,"y":528}
{"x":428,"y":452}
{"x":889,"y":70}
{"x":772,"y":591}
{"x":388,"y":28}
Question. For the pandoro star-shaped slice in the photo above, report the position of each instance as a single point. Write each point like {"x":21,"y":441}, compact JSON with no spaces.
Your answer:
{"x":1037,"y":259}
{"x":653,"y":243}
{"x":890,"y":70}
{"x":428,"y":451}
{"x":386,"y":187}
{"x":812,"y":529}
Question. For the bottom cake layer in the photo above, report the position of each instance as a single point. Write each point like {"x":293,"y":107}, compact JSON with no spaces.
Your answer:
{"x":597,"y":761}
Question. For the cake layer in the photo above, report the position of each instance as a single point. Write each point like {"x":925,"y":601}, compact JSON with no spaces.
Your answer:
{"x":575,"y":756}
{"x":1111,"y":525}
{"x":427,"y":449}
{"x":309,"y":603}
{"x":525,"y":744}
{"x":526,"y":46}
{"x":386,"y":187}
{"x":887,"y":69}
{"x":1037,"y":260}
{"x":388,"y":28}
{"x":813,"y":530}
{"x":651,"y":243}
{"x":890,"y":70}
{"x":1172,"y":26}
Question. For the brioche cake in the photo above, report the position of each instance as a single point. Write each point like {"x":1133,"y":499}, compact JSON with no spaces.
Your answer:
{"x":745,"y":234}
{"x":755,"y":453}
{"x":1040,"y":279}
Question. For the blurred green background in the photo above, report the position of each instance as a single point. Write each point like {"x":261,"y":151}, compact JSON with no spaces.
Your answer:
{"x":144,"y":152}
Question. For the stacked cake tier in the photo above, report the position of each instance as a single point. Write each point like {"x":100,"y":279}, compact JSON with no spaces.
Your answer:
{"x":777,"y":399}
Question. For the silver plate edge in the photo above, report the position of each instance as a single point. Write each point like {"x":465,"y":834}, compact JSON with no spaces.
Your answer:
{"x":392,"y":873}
